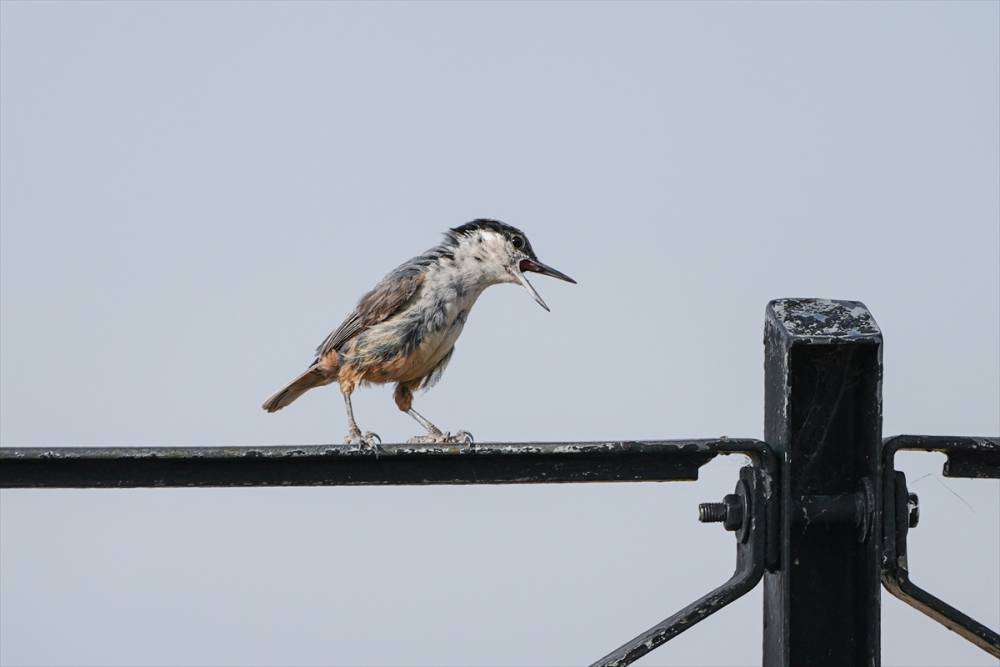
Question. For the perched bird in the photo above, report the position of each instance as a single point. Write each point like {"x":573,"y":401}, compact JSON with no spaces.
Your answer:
{"x":404,"y":330}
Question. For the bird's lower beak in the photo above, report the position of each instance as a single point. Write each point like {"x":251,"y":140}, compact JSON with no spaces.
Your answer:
{"x":537,"y":267}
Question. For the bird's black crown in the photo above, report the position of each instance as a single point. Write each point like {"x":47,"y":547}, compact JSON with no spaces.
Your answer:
{"x":513,"y":234}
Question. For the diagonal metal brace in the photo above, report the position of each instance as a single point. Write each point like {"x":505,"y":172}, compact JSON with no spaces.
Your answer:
{"x":967,"y":457}
{"x":751,"y":561}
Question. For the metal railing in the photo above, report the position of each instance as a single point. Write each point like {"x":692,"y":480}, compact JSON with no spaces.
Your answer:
{"x":821,"y":491}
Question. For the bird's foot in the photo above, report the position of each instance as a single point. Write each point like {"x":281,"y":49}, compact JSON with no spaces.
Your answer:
{"x":367,"y":440}
{"x":458,"y":438}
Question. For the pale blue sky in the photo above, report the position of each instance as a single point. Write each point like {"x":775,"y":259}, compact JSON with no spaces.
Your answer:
{"x":194,"y":194}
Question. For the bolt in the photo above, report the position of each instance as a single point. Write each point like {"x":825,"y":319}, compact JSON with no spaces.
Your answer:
{"x":712,"y":512}
{"x":912,"y":510}
{"x":729,"y":512}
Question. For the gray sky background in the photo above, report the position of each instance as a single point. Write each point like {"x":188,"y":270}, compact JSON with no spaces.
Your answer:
{"x":194,"y":194}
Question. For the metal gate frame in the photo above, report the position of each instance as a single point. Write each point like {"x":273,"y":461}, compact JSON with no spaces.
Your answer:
{"x":820,"y":513}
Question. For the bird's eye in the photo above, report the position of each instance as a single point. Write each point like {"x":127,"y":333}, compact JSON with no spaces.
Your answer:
{"x":518,"y":242}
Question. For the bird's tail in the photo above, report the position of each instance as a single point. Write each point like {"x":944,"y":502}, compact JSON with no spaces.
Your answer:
{"x":314,"y":377}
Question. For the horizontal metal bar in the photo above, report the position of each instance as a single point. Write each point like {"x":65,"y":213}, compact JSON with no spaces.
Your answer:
{"x":968,"y":456}
{"x":485,"y":463}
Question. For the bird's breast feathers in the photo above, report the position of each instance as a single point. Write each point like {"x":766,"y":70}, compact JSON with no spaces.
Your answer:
{"x":408,"y":346}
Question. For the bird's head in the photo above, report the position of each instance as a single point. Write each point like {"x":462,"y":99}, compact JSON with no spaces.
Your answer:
{"x":503,"y":253}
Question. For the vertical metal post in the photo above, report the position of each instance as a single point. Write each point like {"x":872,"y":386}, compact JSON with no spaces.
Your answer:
{"x":823,"y":417}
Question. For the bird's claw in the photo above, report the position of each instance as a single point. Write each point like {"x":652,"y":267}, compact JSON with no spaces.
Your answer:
{"x":366,"y":440}
{"x":458,"y":438}
{"x":463,"y":438}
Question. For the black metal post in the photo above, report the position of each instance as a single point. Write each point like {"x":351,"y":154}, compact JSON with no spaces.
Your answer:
{"x":823,"y":418}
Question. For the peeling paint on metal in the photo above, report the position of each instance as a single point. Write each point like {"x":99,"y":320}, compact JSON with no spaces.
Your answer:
{"x":823,"y":321}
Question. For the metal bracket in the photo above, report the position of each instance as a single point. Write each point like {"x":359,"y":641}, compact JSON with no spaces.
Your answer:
{"x":487,"y":463}
{"x":967,"y":457}
{"x":752,"y":530}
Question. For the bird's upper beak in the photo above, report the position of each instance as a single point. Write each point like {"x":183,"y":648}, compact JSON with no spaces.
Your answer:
{"x":535,"y":266}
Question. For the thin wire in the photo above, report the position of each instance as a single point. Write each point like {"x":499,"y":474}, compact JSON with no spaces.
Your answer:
{"x":939,"y":481}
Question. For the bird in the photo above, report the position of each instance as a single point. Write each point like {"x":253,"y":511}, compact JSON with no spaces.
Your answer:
{"x":404,"y":330}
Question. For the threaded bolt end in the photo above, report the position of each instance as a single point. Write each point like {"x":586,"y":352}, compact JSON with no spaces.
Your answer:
{"x":712,"y":512}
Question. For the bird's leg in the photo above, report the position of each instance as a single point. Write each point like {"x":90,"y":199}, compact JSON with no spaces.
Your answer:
{"x":426,"y":423}
{"x":434,"y":434}
{"x":404,"y":401}
{"x":355,"y":436}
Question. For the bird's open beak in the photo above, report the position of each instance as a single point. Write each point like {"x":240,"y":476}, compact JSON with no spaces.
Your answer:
{"x":537,"y":267}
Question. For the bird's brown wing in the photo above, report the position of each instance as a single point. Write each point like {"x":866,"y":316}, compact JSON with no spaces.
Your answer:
{"x":387,"y":298}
